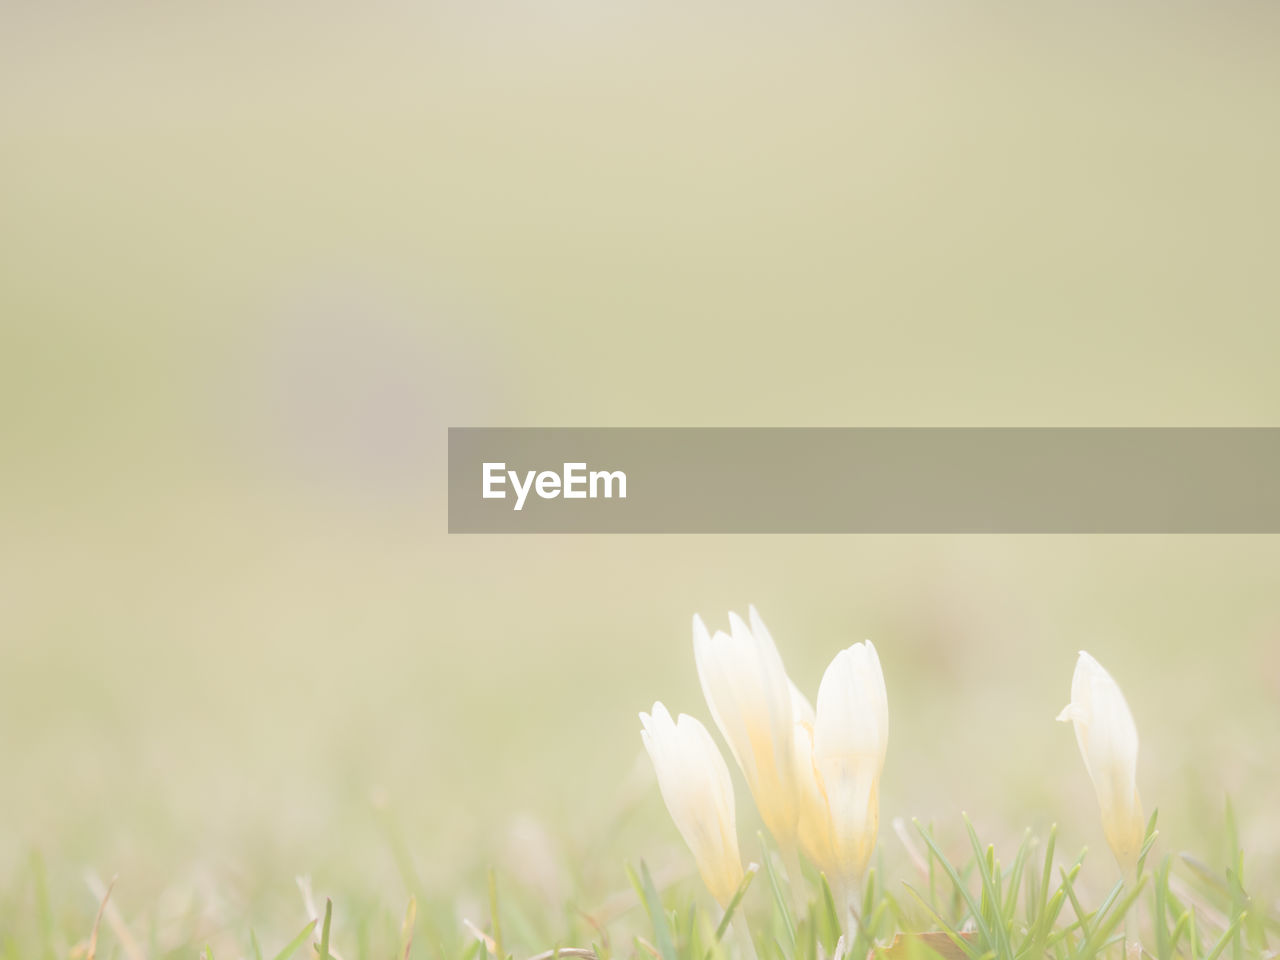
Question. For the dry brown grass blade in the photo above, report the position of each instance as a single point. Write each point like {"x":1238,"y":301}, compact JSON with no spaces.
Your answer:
{"x":918,"y":946}
{"x":601,"y":931}
{"x":616,"y":904}
{"x":572,"y":953}
{"x":114,"y":919}
{"x":913,"y":851}
{"x":97,"y":922}
{"x":483,"y":937}
{"x":406,"y":928}
{"x":1184,"y":892}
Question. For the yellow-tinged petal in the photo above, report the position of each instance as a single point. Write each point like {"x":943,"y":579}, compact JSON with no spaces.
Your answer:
{"x":851,"y":735}
{"x":1108,"y":741}
{"x":813,"y":827}
{"x":750,"y":698}
{"x":698,"y":792}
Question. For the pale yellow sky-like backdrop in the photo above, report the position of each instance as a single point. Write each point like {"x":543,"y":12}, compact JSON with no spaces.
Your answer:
{"x":255,"y":259}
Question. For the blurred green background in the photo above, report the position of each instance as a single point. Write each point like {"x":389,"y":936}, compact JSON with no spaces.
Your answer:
{"x":254,"y":260}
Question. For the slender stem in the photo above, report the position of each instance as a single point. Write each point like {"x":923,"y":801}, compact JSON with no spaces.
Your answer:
{"x":851,"y":911}
{"x":795,"y":876}
{"x":738,"y":926}
{"x":1132,"y":939}
{"x":737,"y":931}
{"x":847,"y":894}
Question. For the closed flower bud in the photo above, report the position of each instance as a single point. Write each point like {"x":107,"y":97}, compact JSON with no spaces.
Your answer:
{"x":813,"y":823}
{"x":1108,"y":742}
{"x":749,"y":695}
{"x":850,"y":738}
{"x":696,"y":788}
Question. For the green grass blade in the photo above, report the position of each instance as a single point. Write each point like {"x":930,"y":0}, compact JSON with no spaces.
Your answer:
{"x":788,"y":922}
{"x":44,"y":915}
{"x":324,"y":931}
{"x":1179,"y":930}
{"x":957,"y":884}
{"x":1149,"y":839}
{"x":832,"y":913}
{"x":990,"y":890}
{"x":1227,"y":936}
{"x":952,"y":933}
{"x":1110,"y":918}
{"x":1082,"y":917}
{"x":648,"y":894}
{"x":296,"y":942}
{"x":1110,"y":899}
{"x":1233,"y":831}
{"x":406,"y":928}
{"x":1041,"y":898}
{"x":1206,"y":876}
{"x":738,"y":894}
{"x":1015,"y":880}
{"x":1160,"y":910}
{"x":494,"y":917}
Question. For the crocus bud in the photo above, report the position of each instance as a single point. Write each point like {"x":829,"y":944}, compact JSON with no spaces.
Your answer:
{"x":813,"y":826}
{"x":1108,"y":742}
{"x":813,"y":820}
{"x":749,"y":695}
{"x":695,"y":785}
{"x":850,"y":737}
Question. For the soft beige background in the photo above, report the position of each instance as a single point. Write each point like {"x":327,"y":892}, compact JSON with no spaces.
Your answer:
{"x":254,"y":261}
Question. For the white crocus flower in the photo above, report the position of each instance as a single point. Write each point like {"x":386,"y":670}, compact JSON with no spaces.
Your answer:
{"x":850,"y":738}
{"x":696,"y":788}
{"x":813,"y":828}
{"x":813,"y":825}
{"x":1108,"y":740}
{"x":749,"y":695}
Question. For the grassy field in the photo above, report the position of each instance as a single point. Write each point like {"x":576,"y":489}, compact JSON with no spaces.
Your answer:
{"x":346,"y":746}
{"x":253,"y":263}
